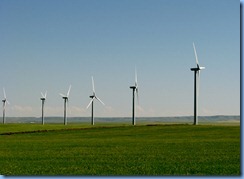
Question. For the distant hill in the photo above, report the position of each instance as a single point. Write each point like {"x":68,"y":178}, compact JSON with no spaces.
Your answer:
{"x":183,"y":119}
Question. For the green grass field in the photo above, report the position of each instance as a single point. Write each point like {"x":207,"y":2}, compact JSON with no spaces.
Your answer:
{"x":80,"y":149}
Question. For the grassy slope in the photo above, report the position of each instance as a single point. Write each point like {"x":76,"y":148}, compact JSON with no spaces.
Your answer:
{"x":127,"y":150}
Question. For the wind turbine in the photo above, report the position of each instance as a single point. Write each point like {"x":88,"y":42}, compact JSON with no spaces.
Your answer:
{"x":4,"y":105}
{"x":43,"y":98}
{"x":66,"y":99}
{"x":93,"y":96}
{"x":134,"y":90}
{"x":196,"y":85}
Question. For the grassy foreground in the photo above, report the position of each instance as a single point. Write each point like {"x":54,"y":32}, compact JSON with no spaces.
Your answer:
{"x":120,"y":150}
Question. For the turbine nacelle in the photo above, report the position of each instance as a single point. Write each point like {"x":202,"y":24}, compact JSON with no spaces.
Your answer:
{"x":133,"y":87}
{"x":198,"y":68}
{"x":5,"y":97}
{"x":67,"y":95}
{"x":44,"y":96}
{"x":94,"y":95}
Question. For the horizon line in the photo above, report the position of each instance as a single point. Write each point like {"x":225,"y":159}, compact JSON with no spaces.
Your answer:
{"x":122,"y":116}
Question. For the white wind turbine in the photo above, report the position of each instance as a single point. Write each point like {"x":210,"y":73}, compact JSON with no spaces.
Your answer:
{"x":66,"y":99}
{"x":134,"y":90}
{"x":4,"y":104}
{"x":93,"y":96}
{"x":196,"y":85}
{"x":43,"y":98}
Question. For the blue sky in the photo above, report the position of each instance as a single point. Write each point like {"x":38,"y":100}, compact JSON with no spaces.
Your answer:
{"x":48,"y":45}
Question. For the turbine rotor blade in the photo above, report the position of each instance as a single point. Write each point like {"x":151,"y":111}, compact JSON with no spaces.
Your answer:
{"x":62,"y":95}
{"x":8,"y":102}
{"x":93,"y":86}
{"x":68,"y":91}
{"x":90,"y":103}
{"x":136,"y":85}
{"x":135,"y":77}
{"x":4,"y":93}
{"x":68,"y":110}
{"x":198,"y":83}
{"x":42,"y":95}
{"x":137,"y":95}
{"x":45,"y":95}
{"x":99,"y":100}
{"x":195,"y":54}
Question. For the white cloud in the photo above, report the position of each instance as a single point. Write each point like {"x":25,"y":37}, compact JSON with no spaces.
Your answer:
{"x":141,"y":112}
{"x":207,"y":112}
{"x":28,"y":111}
{"x":21,"y":111}
{"x":73,"y":111}
{"x":109,"y":111}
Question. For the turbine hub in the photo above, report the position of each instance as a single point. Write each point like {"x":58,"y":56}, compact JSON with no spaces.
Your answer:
{"x":195,"y":69}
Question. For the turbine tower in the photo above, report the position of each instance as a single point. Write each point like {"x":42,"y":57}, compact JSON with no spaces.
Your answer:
{"x":4,"y":105}
{"x":43,"y":98}
{"x":134,"y":90}
{"x":196,"y":86}
{"x":66,"y":99}
{"x":93,"y":96}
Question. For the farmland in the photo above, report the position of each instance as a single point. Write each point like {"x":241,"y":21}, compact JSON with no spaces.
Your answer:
{"x":80,"y":149}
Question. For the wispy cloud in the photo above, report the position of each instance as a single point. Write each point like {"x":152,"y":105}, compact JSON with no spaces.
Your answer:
{"x":28,"y":111}
{"x":109,"y":111}
{"x":141,"y":112}
{"x":73,"y":111}
{"x":208,"y":112}
{"x":21,"y":111}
